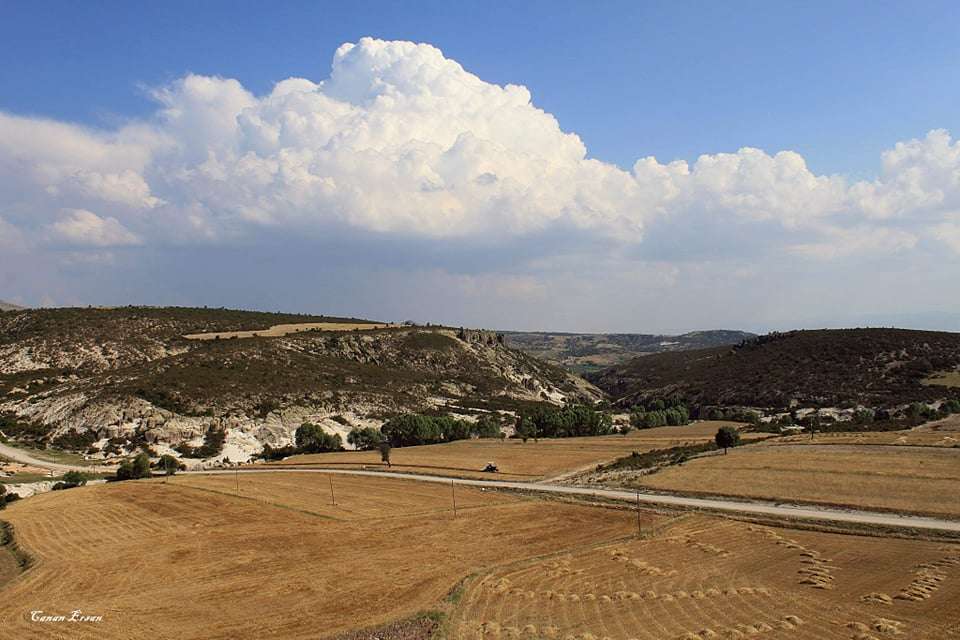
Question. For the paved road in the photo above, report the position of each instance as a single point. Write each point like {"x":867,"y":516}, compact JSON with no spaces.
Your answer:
{"x":782,"y":510}
{"x":18,"y":455}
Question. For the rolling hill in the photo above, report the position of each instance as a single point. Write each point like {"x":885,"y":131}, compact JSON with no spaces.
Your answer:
{"x":9,"y":306}
{"x":122,"y":377}
{"x":824,"y":368}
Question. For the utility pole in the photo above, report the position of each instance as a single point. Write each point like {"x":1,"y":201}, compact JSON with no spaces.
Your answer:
{"x":333,"y":499}
{"x":453,"y":493}
{"x":639,"y":530}
{"x":236,"y":474}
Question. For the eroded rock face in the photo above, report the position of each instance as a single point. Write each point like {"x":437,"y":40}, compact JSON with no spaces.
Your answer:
{"x":139,"y":383}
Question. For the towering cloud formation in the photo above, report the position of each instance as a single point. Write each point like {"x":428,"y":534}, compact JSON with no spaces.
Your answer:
{"x":400,"y":140}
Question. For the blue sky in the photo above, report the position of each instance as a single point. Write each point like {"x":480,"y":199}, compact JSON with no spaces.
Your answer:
{"x":149,"y":150}
{"x":835,"y":81}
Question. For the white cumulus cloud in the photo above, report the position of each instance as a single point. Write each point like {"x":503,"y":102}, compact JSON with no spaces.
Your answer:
{"x":85,"y":228}
{"x":402,"y":144}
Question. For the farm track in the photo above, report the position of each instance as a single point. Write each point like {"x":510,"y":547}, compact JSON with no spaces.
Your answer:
{"x":18,"y":455}
{"x":757,"y":508}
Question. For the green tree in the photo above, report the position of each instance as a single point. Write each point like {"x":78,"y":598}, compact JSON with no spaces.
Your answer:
{"x":141,"y":466}
{"x":311,"y":438}
{"x":524,"y":428}
{"x":365,"y":439}
{"x":384,"y":448}
{"x":727,"y":437}
{"x":125,"y":470}
{"x":169,"y":464}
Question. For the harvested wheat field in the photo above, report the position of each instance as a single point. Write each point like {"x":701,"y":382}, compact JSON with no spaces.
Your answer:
{"x":187,"y":560}
{"x":518,"y":460}
{"x":920,"y":480}
{"x":699,"y":578}
{"x":939,"y":433}
{"x":280,"y":330}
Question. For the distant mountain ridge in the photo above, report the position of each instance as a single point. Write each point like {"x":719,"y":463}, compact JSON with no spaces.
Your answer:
{"x":590,"y":352}
{"x":9,"y":306}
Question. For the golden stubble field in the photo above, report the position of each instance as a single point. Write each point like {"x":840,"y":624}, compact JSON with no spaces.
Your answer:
{"x":902,"y":478}
{"x":280,"y":330}
{"x":939,"y":433}
{"x":700,"y":578}
{"x":187,"y":559}
{"x":518,"y":460}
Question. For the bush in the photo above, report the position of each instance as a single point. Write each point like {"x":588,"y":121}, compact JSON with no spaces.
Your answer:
{"x":277,"y":453}
{"x":212,"y":445}
{"x":70,"y":480}
{"x":75,"y":441}
{"x":138,"y":468}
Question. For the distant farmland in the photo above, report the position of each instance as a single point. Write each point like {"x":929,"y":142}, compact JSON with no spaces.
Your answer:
{"x":908,"y":479}
{"x":280,"y":330}
{"x":518,"y":460}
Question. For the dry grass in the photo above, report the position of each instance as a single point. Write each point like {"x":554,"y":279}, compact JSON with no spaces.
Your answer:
{"x":703,"y":578}
{"x":939,"y":433}
{"x":279,"y":330}
{"x":909,"y":479}
{"x":947,"y":379}
{"x":518,"y":460}
{"x":185,"y":559}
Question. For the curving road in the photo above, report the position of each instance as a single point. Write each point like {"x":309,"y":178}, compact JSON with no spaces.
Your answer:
{"x":781,"y":510}
{"x":753,"y":507}
{"x":18,"y":455}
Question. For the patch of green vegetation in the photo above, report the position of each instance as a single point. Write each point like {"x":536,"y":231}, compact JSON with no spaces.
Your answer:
{"x":657,"y":458}
{"x":824,"y":368}
{"x":429,"y":341}
{"x":8,"y":542}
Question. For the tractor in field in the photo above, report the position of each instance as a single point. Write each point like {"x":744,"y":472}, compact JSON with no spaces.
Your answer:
{"x":490,"y":468}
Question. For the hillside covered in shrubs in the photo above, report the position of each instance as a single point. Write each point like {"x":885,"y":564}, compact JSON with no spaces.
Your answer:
{"x":880,"y":368}
{"x":111,"y":381}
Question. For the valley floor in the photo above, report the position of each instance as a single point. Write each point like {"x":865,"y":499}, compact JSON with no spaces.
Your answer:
{"x":518,"y":460}
{"x":905,"y":479}
{"x":277,"y":555}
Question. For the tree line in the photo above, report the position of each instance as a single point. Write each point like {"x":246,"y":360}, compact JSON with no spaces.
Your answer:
{"x":660,"y":413}
{"x":563,"y":422}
